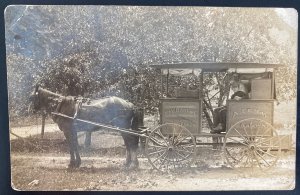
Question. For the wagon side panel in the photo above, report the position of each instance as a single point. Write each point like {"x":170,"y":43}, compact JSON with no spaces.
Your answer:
{"x":185,"y":112}
{"x":247,"y":109}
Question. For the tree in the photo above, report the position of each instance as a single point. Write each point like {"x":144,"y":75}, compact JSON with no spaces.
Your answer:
{"x":113,"y":46}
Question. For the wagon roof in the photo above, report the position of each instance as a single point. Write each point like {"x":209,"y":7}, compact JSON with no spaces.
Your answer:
{"x":214,"y":66}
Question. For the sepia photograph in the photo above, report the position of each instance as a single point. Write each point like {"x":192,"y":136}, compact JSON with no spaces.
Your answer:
{"x":151,"y":98}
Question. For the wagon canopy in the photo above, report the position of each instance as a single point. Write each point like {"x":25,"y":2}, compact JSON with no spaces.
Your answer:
{"x":195,"y":68}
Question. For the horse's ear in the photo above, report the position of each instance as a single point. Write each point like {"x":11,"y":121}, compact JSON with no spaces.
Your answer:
{"x":37,"y":87}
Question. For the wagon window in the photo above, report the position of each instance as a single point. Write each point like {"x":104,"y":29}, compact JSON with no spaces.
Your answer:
{"x":181,"y":83}
{"x":258,"y":85}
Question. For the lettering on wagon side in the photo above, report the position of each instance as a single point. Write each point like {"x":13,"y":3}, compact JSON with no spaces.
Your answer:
{"x":250,"y":111}
{"x":182,"y":113}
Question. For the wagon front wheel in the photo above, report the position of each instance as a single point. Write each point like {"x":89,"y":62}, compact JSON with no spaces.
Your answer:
{"x":170,"y":146}
{"x":252,"y":143}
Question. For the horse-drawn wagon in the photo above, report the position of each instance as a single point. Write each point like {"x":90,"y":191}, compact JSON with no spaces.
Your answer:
{"x":247,"y":136}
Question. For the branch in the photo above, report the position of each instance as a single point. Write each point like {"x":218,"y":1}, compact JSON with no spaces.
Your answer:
{"x":207,"y":116}
{"x":221,"y":90}
{"x":208,"y":103}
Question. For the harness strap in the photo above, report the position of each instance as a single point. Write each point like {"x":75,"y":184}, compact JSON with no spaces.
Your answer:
{"x":60,"y":100}
{"x":78,"y":105}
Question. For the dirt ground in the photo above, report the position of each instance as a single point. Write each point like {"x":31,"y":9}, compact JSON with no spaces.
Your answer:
{"x":41,"y":164}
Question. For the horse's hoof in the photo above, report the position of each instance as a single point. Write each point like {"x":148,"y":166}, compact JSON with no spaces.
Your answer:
{"x":77,"y":164}
{"x":71,"y":166}
{"x":133,"y":166}
{"x":126,"y":165}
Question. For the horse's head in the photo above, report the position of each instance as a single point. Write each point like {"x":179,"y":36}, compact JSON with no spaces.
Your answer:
{"x":34,"y":99}
{"x":44,"y":100}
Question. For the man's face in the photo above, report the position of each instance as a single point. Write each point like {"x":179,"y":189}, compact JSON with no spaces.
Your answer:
{"x":235,"y":86}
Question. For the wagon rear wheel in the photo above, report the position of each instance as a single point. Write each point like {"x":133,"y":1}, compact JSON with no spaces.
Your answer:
{"x":252,"y":143}
{"x":170,"y":146}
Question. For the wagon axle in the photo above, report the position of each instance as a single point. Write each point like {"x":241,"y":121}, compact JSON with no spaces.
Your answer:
{"x":252,"y":147}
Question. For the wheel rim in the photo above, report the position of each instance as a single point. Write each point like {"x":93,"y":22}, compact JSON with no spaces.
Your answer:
{"x":252,"y":143}
{"x":170,"y":146}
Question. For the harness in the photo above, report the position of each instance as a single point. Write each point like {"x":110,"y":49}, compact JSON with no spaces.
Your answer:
{"x":78,"y":105}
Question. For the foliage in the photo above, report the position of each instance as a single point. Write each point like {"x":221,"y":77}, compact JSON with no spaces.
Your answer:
{"x":111,"y":47}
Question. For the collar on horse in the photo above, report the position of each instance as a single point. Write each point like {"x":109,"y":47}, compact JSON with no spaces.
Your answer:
{"x":78,"y":105}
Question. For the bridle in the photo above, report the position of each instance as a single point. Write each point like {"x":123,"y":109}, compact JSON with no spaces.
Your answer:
{"x":36,"y":99}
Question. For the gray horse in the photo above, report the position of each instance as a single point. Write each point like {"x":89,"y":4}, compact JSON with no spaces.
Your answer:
{"x":111,"y":111}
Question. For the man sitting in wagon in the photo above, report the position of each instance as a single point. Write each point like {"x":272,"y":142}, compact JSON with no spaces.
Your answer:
{"x":241,"y":90}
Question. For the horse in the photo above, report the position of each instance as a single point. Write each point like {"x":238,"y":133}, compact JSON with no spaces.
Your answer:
{"x":111,"y":111}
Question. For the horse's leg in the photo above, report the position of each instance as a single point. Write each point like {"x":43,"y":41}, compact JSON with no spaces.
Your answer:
{"x":134,"y":141}
{"x":88,"y":139}
{"x":128,"y":152}
{"x":71,"y":148}
{"x":76,"y":151}
{"x":131,"y":143}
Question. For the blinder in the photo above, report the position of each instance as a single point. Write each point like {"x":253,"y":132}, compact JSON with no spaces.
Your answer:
{"x":34,"y":98}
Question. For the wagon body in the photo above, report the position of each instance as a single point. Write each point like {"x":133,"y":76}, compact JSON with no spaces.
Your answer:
{"x":249,"y":122}
{"x":186,"y":107}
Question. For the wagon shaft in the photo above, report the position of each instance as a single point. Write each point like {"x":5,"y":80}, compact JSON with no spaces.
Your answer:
{"x":122,"y":130}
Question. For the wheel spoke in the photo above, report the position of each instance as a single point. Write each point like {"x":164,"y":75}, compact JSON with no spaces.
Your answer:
{"x":159,"y":133}
{"x":158,"y":142}
{"x":173,"y":160}
{"x":266,"y":153}
{"x":159,"y":157}
{"x":237,"y":141}
{"x":173,"y":136}
{"x":157,"y":152}
{"x":232,"y":153}
{"x":179,"y":154}
{"x":247,"y":160}
{"x":262,"y":158}
{"x":237,"y":153}
{"x":240,"y":134}
{"x":162,"y":136}
{"x":155,"y":146}
{"x":186,"y":154}
{"x":245,"y":131}
{"x":190,"y":150}
{"x":244,"y":154}
{"x":265,"y":131}
{"x":177,"y":137}
{"x":251,"y":161}
{"x":256,"y":158}
{"x":181,"y":149}
{"x":264,"y":141}
{"x":180,"y":140}
{"x":162,"y":162}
